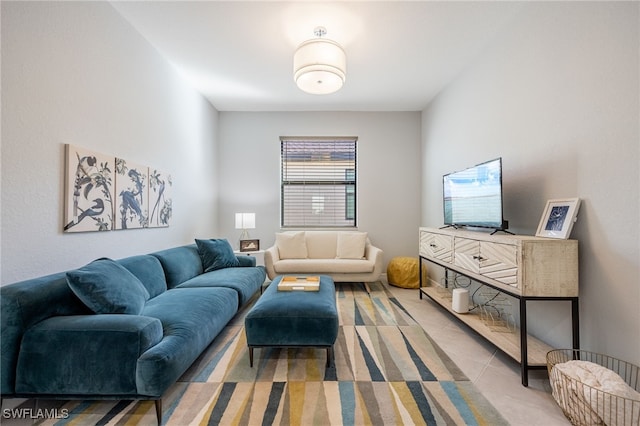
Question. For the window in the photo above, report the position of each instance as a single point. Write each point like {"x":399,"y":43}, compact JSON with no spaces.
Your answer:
{"x":350,"y":195}
{"x":318,"y":182}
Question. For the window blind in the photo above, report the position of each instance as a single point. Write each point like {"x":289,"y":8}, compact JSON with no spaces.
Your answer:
{"x":318,"y":182}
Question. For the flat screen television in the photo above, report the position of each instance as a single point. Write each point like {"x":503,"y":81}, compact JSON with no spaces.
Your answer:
{"x":473,"y":197}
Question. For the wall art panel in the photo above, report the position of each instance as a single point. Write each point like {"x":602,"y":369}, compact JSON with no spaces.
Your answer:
{"x":89,"y":198}
{"x":160,"y":201}
{"x":132,"y":195}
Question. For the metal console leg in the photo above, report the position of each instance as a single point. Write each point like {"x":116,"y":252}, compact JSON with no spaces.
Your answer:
{"x":575,"y":323}
{"x":524,"y":359}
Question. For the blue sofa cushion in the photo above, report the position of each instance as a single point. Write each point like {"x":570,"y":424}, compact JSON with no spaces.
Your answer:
{"x":191,"y":319}
{"x":149,"y":271}
{"x":85,"y":354}
{"x":245,"y":280}
{"x":107,"y":287}
{"x":216,"y":254}
{"x":179,"y":263}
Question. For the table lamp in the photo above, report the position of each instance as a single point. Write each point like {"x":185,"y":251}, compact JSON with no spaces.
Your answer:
{"x":245,"y":221}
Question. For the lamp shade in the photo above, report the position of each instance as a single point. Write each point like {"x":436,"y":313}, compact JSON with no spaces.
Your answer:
{"x":245,"y":220}
{"x":319,"y":66}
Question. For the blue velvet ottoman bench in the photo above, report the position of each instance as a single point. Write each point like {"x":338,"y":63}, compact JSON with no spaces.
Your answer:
{"x":294,"y":319}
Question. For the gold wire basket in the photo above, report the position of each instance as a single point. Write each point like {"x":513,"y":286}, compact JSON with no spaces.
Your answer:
{"x":587,"y":404}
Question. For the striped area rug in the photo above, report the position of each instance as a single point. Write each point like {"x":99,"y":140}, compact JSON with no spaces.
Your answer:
{"x":387,"y":371}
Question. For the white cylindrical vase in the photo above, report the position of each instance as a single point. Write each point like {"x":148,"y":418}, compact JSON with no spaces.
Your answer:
{"x":460,"y":300}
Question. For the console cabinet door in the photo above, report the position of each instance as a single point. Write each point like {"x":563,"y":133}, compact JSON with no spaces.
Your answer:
{"x":492,"y":260}
{"x":466,"y":254}
{"x":499,"y":262}
{"x":436,"y":246}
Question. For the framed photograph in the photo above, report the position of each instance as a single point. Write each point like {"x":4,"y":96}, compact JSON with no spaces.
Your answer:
{"x":558,"y":218}
{"x":249,"y":245}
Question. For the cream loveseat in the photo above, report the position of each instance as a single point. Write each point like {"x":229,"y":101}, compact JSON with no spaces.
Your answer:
{"x":346,"y":256}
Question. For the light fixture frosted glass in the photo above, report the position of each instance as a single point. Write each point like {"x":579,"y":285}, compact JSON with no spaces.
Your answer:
{"x":319,"y":65}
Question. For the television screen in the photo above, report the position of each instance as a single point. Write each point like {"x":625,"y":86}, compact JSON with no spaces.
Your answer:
{"x":473,"y":197}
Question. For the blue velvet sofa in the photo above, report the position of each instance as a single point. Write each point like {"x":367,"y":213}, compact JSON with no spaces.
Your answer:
{"x":124,"y":329}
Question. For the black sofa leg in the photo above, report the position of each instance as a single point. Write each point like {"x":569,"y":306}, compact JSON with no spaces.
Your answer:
{"x":159,"y":410}
{"x":329,"y":355}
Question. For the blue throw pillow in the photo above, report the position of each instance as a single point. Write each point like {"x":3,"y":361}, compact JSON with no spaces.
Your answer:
{"x":107,"y":287}
{"x":216,"y":254}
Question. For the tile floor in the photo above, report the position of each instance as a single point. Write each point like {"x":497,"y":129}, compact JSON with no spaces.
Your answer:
{"x":496,"y":375}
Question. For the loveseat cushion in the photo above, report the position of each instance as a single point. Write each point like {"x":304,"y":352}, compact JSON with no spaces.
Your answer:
{"x":323,"y":266}
{"x":291,"y":245}
{"x":321,"y":244}
{"x":216,"y":254}
{"x":107,"y":287}
{"x":85,"y":354}
{"x":351,"y":245}
{"x":245,"y":280}
{"x":191,"y":319}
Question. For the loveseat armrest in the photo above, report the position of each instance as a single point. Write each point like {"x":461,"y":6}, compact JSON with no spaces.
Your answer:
{"x":85,"y":354}
{"x":374,"y":254}
{"x":271,"y":256}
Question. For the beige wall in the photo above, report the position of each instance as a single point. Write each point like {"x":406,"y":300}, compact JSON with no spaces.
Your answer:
{"x":77,"y":72}
{"x":556,"y":95}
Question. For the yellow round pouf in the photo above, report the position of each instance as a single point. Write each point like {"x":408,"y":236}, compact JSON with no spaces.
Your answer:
{"x":403,"y":272}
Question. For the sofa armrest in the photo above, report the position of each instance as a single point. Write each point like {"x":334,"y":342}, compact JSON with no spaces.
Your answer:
{"x":271,"y":256}
{"x":85,"y":354}
{"x":246,"y":260}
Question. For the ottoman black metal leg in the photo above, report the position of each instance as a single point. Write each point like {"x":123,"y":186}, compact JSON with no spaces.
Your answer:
{"x":251,"y":356}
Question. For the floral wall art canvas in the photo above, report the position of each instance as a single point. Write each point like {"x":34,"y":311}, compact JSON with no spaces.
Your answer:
{"x":160,"y":201}
{"x":132,"y":195}
{"x":89,"y":201}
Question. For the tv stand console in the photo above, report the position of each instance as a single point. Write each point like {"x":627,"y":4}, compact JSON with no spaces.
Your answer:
{"x":524,"y":267}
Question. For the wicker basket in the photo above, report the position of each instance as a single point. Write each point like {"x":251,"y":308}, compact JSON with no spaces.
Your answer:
{"x":584,"y":404}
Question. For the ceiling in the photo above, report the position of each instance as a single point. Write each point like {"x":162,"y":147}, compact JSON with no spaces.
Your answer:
{"x":239,"y":54}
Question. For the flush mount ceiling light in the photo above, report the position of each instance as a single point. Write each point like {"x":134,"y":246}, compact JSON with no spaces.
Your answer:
{"x":319,"y":65}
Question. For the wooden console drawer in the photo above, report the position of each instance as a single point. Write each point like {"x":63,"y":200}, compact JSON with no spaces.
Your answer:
{"x":437,"y":246}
